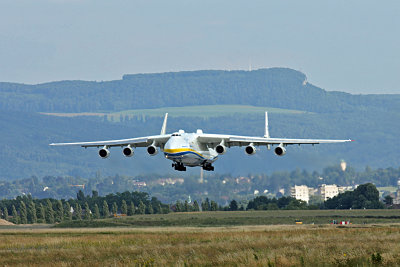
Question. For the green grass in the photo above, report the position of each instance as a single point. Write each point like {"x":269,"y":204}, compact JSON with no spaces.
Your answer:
{"x":188,"y":111}
{"x":242,"y":218}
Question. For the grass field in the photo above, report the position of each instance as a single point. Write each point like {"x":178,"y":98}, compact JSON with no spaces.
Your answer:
{"x":283,"y":245}
{"x":241,"y":218}
{"x":247,"y":238}
{"x":189,"y":111}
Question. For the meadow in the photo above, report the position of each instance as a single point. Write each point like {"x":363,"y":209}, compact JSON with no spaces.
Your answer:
{"x":242,"y":218}
{"x":267,"y":245}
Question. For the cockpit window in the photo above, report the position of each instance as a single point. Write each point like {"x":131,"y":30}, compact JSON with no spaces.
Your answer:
{"x":175,"y":134}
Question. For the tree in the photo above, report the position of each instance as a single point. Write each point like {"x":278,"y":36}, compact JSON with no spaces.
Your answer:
{"x":32,"y":217}
{"x":23,"y":213}
{"x":233,"y":205}
{"x":388,"y":200}
{"x":96,"y":214}
{"x":87,"y":212}
{"x":106,"y":210}
{"x":205,"y":205}
{"x":49,"y":212}
{"x":150,"y":209}
{"x":159,"y":209}
{"x":186,"y":207}
{"x":178,"y":206}
{"x":80,"y":196}
{"x":67,"y":212}
{"x":42,"y":213}
{"x":131,"y":209}
{"x":59,"y":212}
{"x":141,"y":208}
{"x":95,"y":194}
{"x":196,"y":206}
{"x":214,"y":206}
{"x":114,"y":208}
{"x":78,"y":211}
{"x":5,"y":213}
{"x":15,"y":217}
{"x":124,"y":207}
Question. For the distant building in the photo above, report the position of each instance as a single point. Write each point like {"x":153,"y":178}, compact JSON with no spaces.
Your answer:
{"x":300,"y":192}
{"x":328,"y":191}
{"x":396,"y":199}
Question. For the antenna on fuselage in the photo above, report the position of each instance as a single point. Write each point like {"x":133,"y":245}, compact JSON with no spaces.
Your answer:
{"x":164,"y":125}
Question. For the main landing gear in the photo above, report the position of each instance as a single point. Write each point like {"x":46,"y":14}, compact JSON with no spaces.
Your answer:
{"x":179,"y":166}
{"x":208,"y":167}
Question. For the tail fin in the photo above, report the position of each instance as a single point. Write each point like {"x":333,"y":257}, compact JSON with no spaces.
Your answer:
{"x":266,"y":135}
{"x":164,"y":126}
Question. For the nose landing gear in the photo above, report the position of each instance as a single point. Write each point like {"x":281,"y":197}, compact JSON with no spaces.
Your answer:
{"x":208,"y":167}
{"x":179,"y":166}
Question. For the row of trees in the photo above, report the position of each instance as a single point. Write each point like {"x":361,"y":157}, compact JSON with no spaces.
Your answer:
{"x":25,"y":209}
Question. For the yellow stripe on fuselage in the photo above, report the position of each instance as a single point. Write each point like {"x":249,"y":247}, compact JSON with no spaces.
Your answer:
{"x":178,"y":150}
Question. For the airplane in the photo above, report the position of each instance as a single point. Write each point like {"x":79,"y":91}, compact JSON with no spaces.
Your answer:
{"x":196,"y":149}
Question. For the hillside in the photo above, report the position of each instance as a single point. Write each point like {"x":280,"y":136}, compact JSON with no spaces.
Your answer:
{"x":233,"y":102}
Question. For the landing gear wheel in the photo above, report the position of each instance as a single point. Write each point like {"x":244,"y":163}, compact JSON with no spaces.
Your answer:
{"x":179,"y":166}
{"x":208,"y":167}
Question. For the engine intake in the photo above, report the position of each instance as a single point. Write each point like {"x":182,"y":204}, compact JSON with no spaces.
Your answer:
{"x":280,"y":151}
{"x":152,"y":150}
{"x":128,"y":151}
{"x":250,"y":150}
{"x":104,"y":153}
{"x":220,"y":149}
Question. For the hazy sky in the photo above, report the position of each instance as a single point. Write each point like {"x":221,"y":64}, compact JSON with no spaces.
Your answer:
{"x":351,"y":46}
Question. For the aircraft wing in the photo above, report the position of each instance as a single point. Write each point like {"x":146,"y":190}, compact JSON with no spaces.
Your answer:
{"x":157,"y":140}
{"x":234,"y":140}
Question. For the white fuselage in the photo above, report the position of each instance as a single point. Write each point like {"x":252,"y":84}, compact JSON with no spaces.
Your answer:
{"x":184,"y":148}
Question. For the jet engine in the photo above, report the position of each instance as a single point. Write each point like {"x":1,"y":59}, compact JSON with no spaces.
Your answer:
{"x":152,"y":150}
{"x":104,"y":153}
{"x":220,"y":149}
{"x":280,"y":150}
{"x":250,"y":150}
{"x":128,"y":151}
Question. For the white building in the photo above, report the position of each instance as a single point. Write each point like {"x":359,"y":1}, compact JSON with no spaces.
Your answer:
{"x":300,"y":192}
{"x":328,"y":191}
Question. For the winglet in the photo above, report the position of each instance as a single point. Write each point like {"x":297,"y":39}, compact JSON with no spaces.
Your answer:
{"x":164,"y":126}
{"x":266,"y":135}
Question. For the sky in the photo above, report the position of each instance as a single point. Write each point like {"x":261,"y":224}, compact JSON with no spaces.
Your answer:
{"x":341,"y":45}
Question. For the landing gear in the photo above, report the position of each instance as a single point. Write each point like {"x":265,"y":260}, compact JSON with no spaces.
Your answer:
{"x":208,"y":167}
{"x":179,"y":166}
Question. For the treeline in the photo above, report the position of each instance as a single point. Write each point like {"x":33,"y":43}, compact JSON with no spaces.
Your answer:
{"x":233,"y":187}
{"x":25,"y":209}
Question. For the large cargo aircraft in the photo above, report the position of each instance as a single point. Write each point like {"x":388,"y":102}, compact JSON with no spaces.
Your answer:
{"x":196,"y":149}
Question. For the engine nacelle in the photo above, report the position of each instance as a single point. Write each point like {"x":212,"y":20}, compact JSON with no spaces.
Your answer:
{"x":220,"y":149}
{"x":104,"y":153}
{"x":128,"y":151}
{"x":152,"y":150}
{"x":280,"y":151}
{"x":250,"y":150}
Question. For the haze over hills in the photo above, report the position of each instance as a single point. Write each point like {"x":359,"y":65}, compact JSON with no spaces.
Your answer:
{"x":131,"y":107}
